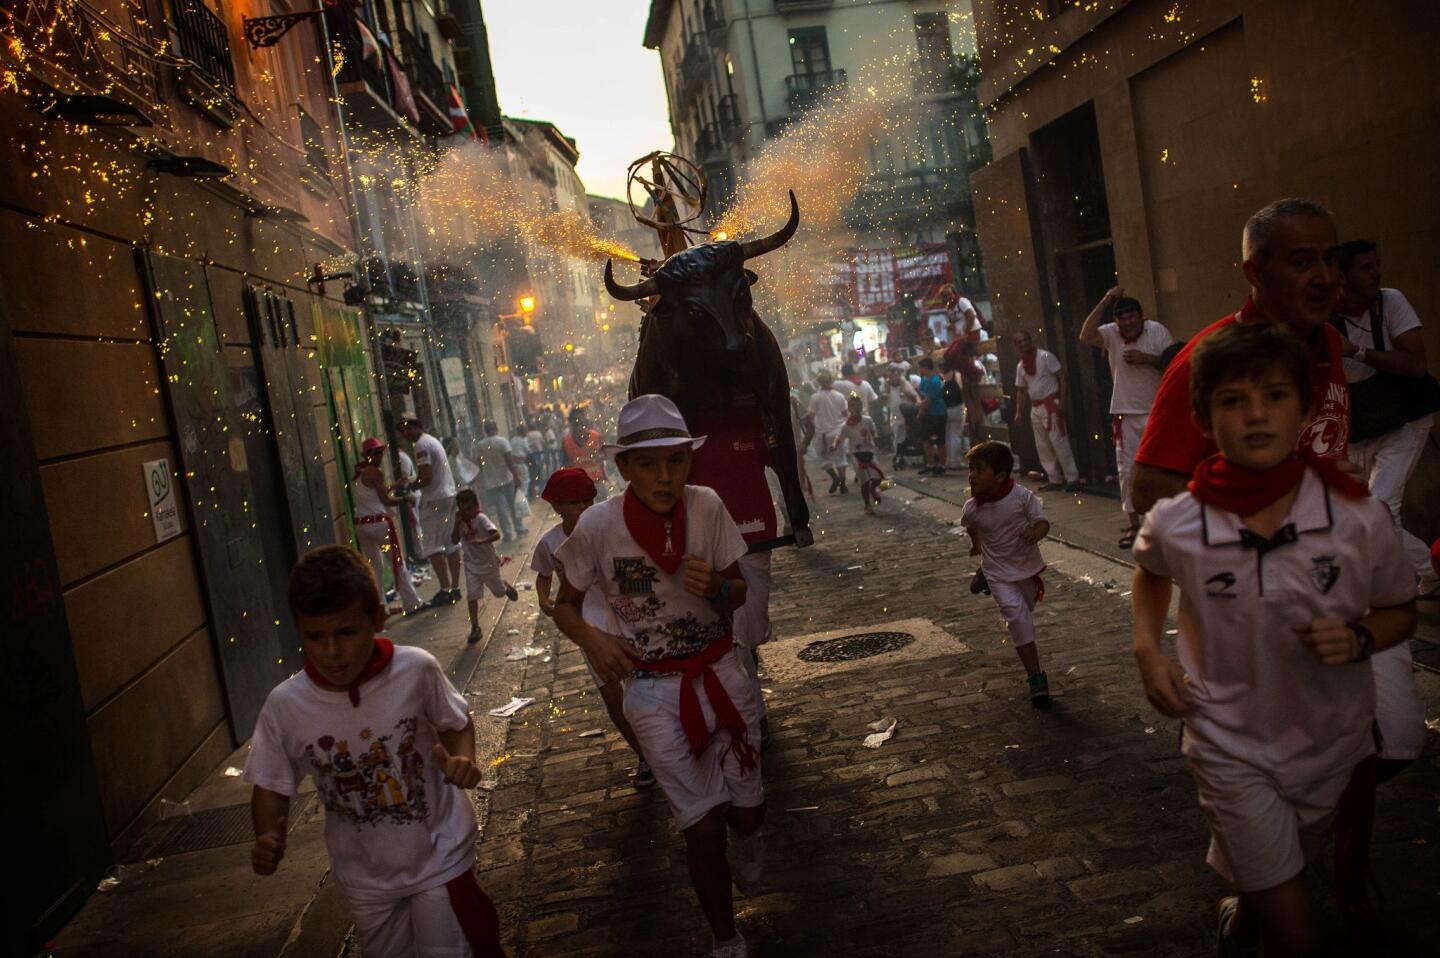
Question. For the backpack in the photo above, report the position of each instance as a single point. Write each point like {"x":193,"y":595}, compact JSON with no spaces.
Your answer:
{"x":954,"y":395}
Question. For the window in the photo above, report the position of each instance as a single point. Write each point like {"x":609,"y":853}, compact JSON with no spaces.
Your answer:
{"x":809,"y":51}
{"x":932,"y":40}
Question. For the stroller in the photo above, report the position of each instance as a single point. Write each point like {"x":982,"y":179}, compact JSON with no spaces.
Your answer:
{"x":912,"y":445}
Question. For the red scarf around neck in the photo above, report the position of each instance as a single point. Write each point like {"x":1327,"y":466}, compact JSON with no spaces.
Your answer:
{"x":1027,"y":359}
{"x":662,"y":537}
{"x":380,"y":657}
{"x":1219,"y":482}
{"x":1005,"y":489}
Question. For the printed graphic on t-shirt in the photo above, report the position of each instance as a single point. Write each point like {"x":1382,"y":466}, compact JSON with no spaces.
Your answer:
{"x":1325,"y":435}
{"x":363,"y":783}
{"x":635,"y":576}
{"x":637,"y":605}
{"x":1324,"y":573}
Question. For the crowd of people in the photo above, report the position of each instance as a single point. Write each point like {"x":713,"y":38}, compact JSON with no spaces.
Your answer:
{"x":1255,"y":476}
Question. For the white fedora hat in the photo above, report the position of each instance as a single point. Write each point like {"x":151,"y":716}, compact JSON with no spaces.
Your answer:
{"x":650,"y":421}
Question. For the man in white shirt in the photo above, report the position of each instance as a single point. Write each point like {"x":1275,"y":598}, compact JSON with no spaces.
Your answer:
{"x":1133,"y":346}
{"x":1040,"y":396}
{"x":825,"y":415}
{"x":855,"y":383}
{"x":437,"y":510}
{"x":1385,"y":461}
{"x":499,"y":479}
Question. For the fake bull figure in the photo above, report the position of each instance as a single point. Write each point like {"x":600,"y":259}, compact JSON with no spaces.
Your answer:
{"x":703,"y":346}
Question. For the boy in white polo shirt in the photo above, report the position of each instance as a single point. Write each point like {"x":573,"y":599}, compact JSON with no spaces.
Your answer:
{"x":666,"y":556}
{"x":1290,"y":576}
{"x":1006,"y":522}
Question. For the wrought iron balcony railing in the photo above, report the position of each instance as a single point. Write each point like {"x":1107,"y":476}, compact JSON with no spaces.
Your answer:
{"x":803,"y":90}
{"x":205,"y":42}
{"x":710,"y":145}
{"x":728,"y":110}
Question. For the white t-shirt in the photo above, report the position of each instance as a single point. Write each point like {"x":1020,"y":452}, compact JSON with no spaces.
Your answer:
{"x":1135,"y":385}
{"x":593,"y":610}
{"x":861,"y":434}
{"x":520,"y":447}
{"x":480,"y":557}
{"x":408,"y":472}
{"x":652,"y":610}
{"x":1004,"y":556}
{"x":393,"y":825}
{"x":863,"y":389}
{"x":1260,"y":696}
{"x":1399,"y":317}
{"x":536,"y":441}
{"x":1045,"y":382}
{"x":897,"y":394}
{"x":428,"y":451}
{"x":829,"y":409}
{"x":490,"y":453}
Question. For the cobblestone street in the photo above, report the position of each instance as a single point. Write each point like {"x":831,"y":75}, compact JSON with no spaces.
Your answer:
{"x":983,"y":827}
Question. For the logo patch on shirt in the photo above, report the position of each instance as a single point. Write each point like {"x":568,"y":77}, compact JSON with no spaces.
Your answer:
{"x":634,"y":576}
{"x":1324,"y":573}
{"x":1218,"y":586}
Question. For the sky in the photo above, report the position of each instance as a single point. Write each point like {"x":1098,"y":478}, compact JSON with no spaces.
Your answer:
{"x":579,"y":64}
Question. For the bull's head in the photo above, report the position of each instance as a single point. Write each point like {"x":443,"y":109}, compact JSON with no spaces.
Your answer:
{"x":709,"y":281}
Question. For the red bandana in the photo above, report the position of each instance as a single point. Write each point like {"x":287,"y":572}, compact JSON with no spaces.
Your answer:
{"x":1220,"y":483}
{"x":853,"y":420}
{"x":662,"y":537}
{"x":997,"y":495}
{"x":380,"y":657}
{"x":1028,"y":360}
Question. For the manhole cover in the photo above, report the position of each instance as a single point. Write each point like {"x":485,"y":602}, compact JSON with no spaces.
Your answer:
{"x":848,"y":648}
{"x":212,"y":828}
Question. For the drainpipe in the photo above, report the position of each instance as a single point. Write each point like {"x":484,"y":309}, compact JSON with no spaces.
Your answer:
{"x":755,"y":59}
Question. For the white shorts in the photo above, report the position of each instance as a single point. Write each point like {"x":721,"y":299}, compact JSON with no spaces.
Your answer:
{"x":479,"y":582}
{"x":437,"y":520}
{"x":1260,"y":831}
{"x":1017,"y":603}
{"x":693,"y":786}
{"x":1399,"y":710}
{"x":422,"y":925}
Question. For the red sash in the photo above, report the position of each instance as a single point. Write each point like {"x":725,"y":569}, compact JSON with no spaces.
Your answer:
{"x":393,"y":548}
{"x":1051,"y":405}
{"x":476,"y":915}
{"x":692,"y":718}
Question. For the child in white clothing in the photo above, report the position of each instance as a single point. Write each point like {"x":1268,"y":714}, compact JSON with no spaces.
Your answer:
{"x":1006,"y":522}
{"x":477,"y":536}
{"x":859,"y":431}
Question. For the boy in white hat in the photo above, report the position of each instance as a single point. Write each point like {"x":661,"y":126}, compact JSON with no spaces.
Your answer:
{"x":666,"y":556}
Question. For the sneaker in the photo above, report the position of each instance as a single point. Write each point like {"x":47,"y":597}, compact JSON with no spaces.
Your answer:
{"x":1072,"y":487}
{"x":1039,"y":689}
{"x":844,"y":489}
{"x":455,"y":596}
{"x":392,"y":596}
{"x":1226,"y":944}
{"x":441,"y":598}
{"x":511,"y":594}
{"x":734,"y":948}
{"x":747,"y":856}
{"x":938,"y":471}
{"x":644,"y":778}
{"x":474,"y":635}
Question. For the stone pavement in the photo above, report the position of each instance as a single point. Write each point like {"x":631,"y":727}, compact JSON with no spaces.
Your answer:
{"x":984,"y":827}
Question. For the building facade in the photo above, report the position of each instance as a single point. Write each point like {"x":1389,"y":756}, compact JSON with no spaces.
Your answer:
{"x":1132,"y":140}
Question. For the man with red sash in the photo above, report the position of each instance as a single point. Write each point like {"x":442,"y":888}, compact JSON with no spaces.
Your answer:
{"x":665,"y":555}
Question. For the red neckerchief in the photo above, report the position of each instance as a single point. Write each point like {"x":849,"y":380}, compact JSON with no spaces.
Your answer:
{"x":853,"y":420}
{"x":1219,"y":482}
{"x":380,"y":657}
{"x":692,"y":718}
{"x":1027,"y":359}
{"x":1005,"y":489}
{"x":662,"y":537}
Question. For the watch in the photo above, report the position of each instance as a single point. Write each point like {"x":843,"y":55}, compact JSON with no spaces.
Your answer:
{"x":1359,"y":356}
{"x":1367,"y":642}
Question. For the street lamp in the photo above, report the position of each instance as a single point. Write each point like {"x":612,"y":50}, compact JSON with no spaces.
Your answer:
{"x":527,"y":304}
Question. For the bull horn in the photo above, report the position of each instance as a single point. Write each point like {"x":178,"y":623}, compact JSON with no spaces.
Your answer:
{"x":777,"y":239}
{"x":626,"y":294}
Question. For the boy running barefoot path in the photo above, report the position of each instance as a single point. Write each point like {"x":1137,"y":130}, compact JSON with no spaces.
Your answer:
{"x":570,"y":492}
{"x":666,"y":556}
{"x":1006,"y":522}
{"x":1290,"y":577}
{"x":390,"y":745}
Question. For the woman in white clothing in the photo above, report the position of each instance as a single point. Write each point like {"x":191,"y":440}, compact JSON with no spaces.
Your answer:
{"x":375,"y":527}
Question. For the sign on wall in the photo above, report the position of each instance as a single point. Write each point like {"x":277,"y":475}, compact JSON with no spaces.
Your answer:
{"x":454,"y":372}
{"x":160,"y":486}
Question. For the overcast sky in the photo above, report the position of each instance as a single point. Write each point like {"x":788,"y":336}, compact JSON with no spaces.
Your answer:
{"x":580,"y":65}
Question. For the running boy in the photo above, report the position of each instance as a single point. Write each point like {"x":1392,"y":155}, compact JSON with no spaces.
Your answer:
{"x":390,"y":745}
{"x":570,"y":492}
{"x":1006,"y":522}
{"x":1290,"y":576}
{"x":666,"y":557}
{"x":859,"y":431}
{"x":477,"y":536}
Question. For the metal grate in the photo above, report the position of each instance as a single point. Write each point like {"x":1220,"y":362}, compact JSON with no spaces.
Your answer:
{"x":212,"y":828}
{"x":847,"y":648}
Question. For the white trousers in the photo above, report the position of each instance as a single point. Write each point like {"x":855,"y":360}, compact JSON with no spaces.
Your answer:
{"x":832,"y":458}
{"x":375,"y":543}
{"x":1017,"y":602}
{"x":1053,"y":445}
{"x":751,"y":622}
{"x":1386,"y":462}
{"x":420,"y":926}
{"x":1127,"y":441}
{"x":955,"y":437}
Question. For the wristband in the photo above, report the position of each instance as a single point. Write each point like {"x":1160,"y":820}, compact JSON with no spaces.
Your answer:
{"x":724,"y":591}
{"x":1367,"y":642}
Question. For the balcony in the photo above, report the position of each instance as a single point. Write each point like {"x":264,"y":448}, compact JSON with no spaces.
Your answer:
{"x":804,"y":90}
{"x":710,"y":145}
{"x":695,"y":59}
{"x":366,"y":88}
{"x":902,"y":199}
{"x":713,"y":16}
{"x":426,"y":80}
{"x":446,"y":21}
{"x":207,"y":81}
{"x":960,"y":76}
{"x":731,"y":126}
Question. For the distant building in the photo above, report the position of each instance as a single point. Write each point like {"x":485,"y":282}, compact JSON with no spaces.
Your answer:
{"x":1132,"y":140}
